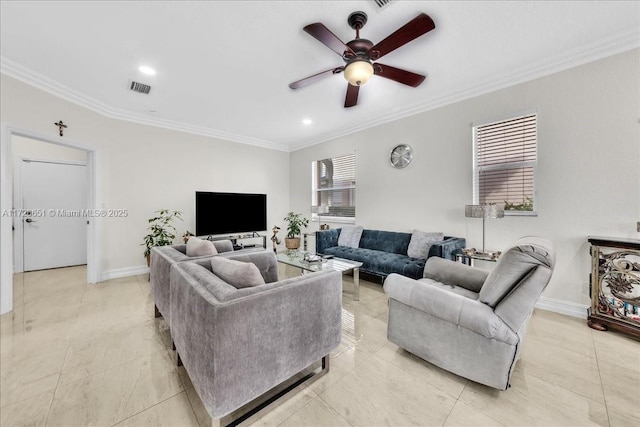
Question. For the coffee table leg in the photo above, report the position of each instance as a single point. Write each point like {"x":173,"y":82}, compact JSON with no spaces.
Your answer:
{"x":356,"y":284}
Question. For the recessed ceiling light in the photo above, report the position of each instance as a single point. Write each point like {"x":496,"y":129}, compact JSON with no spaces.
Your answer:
{"x":147,"y":70}
{"x":307,"y":121}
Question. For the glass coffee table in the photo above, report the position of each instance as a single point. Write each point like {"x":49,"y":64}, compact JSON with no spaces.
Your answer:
{"x":296,"y":259}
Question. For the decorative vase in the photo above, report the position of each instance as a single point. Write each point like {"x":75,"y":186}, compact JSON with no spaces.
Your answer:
{"x":292,"y":242}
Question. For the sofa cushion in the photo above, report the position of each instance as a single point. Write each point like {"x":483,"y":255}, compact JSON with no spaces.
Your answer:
{"x":199,"y":247}
{"x":421,"y":243}
{"x":380,"y":262}
{"x":236,"y":273}
{"x":350,"y":236}
{"x":450,"y":288}
{"x":223,"y":245}
{"x":387,"y":241}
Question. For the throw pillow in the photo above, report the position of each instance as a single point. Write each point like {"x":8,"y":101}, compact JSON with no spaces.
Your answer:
{"x":421,"y":242}
{"x":200,"y":247}
{"x":236,"y":273}
{"x":350,"y":236}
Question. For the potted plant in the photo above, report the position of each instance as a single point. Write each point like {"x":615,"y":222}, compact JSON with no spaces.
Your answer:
{"x":162,"y":232}
{"x":295,"y":222}
{"x":186,"y":235}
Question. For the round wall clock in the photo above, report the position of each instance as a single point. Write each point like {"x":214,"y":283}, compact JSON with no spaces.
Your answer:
{"x":401,"y":156}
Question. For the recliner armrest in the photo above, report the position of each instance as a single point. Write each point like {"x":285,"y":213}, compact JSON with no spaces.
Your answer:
{"x":448,"y":306}
{"x":455,"y":273}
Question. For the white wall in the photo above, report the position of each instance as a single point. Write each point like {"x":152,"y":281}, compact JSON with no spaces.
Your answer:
{"x":588,"y":179}
{"x":142,"y":168}
{"x":588,"y":175}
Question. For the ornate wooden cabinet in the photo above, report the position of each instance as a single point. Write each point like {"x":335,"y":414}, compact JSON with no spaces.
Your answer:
{"x":615,"y":285}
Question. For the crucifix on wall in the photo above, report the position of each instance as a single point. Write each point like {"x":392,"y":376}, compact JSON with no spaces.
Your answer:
{"x":61,"y":126}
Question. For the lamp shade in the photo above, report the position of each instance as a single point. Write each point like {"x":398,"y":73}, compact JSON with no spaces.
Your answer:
{"x":484,"y":211}
{"x":358,"y":72}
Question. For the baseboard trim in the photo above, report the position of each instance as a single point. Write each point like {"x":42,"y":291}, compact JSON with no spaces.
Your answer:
{"x":544,"y":303}
{"x":124,"y":272}
{"x":563,"y":307}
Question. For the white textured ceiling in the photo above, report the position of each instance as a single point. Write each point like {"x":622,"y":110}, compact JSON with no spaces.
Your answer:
{"x":223,"y":67}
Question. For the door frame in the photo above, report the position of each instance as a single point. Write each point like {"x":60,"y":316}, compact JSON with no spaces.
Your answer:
{"x":18,"y":232}
{"x":6,"y":202}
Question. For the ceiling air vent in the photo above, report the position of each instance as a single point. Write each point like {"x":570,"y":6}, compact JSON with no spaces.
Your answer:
{"x":139,"y":87}
{"x":382,"y":3}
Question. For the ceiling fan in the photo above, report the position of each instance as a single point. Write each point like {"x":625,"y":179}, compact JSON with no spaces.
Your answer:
{"x":359,"y":54}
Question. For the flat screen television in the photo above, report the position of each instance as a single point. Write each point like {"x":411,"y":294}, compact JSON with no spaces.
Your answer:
{"x":227,"y":213}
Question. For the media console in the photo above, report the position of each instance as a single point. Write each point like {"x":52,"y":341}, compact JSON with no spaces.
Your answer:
{"x":236,"y":237}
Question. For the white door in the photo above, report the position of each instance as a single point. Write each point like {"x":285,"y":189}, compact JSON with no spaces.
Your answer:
{"x":54,"y":224}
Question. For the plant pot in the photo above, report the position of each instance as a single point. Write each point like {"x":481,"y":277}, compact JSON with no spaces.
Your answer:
{"x":292,"y":242}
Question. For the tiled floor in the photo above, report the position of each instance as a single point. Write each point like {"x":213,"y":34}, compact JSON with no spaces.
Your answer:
{"x":74,"y":354}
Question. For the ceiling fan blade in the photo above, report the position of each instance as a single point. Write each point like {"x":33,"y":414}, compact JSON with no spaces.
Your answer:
{"x":326,"y":37}
{"x":413,"y":29}
{"x":401,"y":76}
{"x":316,"y":77}
{"x":352,"y":95}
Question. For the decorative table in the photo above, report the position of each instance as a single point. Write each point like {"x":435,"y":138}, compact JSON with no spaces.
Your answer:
{"x":615,"y":285}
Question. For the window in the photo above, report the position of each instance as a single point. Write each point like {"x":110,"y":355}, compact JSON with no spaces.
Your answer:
{"x":334,"y":189}
{"x":504,"y":164}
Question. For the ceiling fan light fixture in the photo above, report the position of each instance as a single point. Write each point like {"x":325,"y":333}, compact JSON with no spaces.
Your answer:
{"x":358,"y":72}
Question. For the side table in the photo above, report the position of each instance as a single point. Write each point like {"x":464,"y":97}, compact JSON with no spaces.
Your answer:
{"x":468,"y":258}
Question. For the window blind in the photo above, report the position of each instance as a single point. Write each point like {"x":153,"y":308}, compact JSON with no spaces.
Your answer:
{"x":333,"y":187}
{"x":505,"y":161}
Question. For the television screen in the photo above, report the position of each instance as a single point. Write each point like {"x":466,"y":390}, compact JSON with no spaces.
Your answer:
{"x":225,"y":213}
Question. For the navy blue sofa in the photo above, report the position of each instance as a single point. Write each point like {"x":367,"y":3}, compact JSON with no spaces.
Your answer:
{"x":384,"y":252}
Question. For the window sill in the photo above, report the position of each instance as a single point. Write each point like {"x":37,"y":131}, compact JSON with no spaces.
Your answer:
{"x":520,"y":213}
{"x":334,"y":219}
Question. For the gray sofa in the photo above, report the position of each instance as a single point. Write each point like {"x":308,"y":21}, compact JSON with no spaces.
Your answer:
{"x":466,"y":320}
{"x":385,"y":252}
{"x":162,"y":258}
{"x":237,"y":344}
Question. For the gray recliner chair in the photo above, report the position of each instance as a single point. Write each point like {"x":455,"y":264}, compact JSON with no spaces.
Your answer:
{"x":467,"y":320}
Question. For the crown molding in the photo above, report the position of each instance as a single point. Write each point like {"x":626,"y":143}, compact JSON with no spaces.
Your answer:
{"x":570,"y":59}
{"x":39,"y":81}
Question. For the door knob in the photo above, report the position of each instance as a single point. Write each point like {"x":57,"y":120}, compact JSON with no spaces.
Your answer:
{"x":29,"y":220}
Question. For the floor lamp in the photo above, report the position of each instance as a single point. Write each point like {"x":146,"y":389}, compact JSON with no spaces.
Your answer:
{"x":484,"y":211}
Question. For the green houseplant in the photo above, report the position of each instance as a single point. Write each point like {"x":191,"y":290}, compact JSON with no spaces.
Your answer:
{"x":161,"y":231}
{"x":295,"y":222}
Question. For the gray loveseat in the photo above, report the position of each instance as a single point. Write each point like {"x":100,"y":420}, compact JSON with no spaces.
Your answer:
{"x":238,"y":343}
{"x":162,"y":258}
{"x":470,"y":321}
{"x":385,"y":252}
